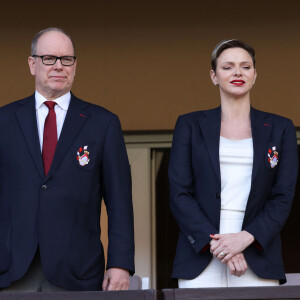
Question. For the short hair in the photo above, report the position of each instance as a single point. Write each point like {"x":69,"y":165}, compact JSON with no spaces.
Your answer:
{"x":226,"y":44}
{"x":39,"y":34}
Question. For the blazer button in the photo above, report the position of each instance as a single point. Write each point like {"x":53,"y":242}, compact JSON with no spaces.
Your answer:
{"x":191,"y":240}
{"x":44,"y":187}
{"x":218,"y":195}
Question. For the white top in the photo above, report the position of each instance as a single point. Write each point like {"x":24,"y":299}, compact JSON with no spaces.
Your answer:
{"x":236,"y":161}
{"x":42,"y":111}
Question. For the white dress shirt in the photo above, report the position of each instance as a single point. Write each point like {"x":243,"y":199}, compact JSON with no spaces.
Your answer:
{"x":42,"y":111}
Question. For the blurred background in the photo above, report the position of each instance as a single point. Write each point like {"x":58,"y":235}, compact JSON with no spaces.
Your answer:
{"x":149,"y":61}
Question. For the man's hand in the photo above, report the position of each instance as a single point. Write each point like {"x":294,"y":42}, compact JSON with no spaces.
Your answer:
{"x":229,"y":245}
{"x":237,"y":265}
{"x":115,"y":279}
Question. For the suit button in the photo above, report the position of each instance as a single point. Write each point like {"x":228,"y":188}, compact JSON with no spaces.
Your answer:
{"x":44,"y":187}
{"x":191,"y":240}
{"x":218,"y":195}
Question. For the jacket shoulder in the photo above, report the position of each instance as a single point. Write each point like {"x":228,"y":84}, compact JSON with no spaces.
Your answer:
{"x":96,"y":111}
{"x":271,"y":117}
{"x":15,"y":104}
{"x":8,"y":110}
{"x":195,"y":116}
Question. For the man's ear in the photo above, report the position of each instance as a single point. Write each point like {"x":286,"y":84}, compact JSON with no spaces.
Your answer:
{"x":75,"y":66}
{"x":31,"y":63}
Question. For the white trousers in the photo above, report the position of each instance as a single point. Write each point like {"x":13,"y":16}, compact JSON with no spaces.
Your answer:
{"x":217,"y":274}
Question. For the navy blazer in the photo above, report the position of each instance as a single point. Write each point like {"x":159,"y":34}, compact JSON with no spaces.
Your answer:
{"x":195,"y":189}
{"x":60,"y":213}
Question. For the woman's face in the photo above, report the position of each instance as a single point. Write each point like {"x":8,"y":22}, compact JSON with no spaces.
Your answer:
{"x":235,"y":73}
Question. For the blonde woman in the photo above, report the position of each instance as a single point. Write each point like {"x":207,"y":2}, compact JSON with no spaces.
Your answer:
{"x":232,"y":173}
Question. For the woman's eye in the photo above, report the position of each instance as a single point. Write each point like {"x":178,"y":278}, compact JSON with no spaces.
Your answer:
{"x":246,"y":67}
{"x":226,"y":68}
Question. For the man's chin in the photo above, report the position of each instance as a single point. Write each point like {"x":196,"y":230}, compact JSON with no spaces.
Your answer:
{"x":55,"y":93}
{"x":59,"y":88}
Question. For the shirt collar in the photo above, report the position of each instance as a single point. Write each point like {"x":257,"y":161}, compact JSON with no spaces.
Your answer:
{"x":63,"y":101}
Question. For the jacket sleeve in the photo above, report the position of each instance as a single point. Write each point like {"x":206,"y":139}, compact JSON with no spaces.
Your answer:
{"x":192,"y":221}
{"x":270,"y":220}
{"x":116,"y":179}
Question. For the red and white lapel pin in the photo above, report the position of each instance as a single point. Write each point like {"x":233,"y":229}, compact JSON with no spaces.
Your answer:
{"x":273,"y":157}
{"x":83,"y":156}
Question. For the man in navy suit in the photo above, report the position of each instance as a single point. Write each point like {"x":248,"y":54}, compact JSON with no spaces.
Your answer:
{"x":62,"y":156}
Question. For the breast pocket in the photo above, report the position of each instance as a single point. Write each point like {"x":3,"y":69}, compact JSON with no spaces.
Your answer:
{"x":84,"y":155}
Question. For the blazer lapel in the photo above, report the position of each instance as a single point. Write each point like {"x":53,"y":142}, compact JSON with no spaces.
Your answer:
{"x":261,"y":131}
{"x":74,"y":121}
{"x":211,"y":127}
{"x":26,"y":116}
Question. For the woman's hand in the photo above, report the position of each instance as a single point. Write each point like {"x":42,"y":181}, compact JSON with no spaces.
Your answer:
{"x":226,"y":246}
{"x":237,"y":265}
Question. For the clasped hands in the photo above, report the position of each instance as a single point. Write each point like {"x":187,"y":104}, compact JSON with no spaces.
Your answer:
{"x":228,"y":249}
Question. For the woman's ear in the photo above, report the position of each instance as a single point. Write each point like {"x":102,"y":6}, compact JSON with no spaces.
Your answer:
{"x":213,"y":77}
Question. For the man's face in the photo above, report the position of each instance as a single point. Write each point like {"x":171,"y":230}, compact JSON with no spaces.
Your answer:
{"x":55,"y":80}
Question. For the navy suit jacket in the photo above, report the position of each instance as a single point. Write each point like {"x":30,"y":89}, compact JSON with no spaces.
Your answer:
{"x":60,"y":213}
{"x":195,"y":188}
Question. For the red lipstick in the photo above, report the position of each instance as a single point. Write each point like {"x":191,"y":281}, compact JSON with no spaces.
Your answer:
{"x":237,"y":82}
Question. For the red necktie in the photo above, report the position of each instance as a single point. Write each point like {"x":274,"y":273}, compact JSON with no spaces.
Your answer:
{"x":50,"y":137}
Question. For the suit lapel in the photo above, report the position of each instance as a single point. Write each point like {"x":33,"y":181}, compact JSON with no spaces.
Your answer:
{"x":211,"y":127}
{"x":26,"y":116}
{"x":74,"y":121}
{"x":261,"y":132}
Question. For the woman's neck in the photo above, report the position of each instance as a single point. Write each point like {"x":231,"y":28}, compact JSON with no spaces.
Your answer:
{"x":235,"y":109}
{"x":235,"y":118}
